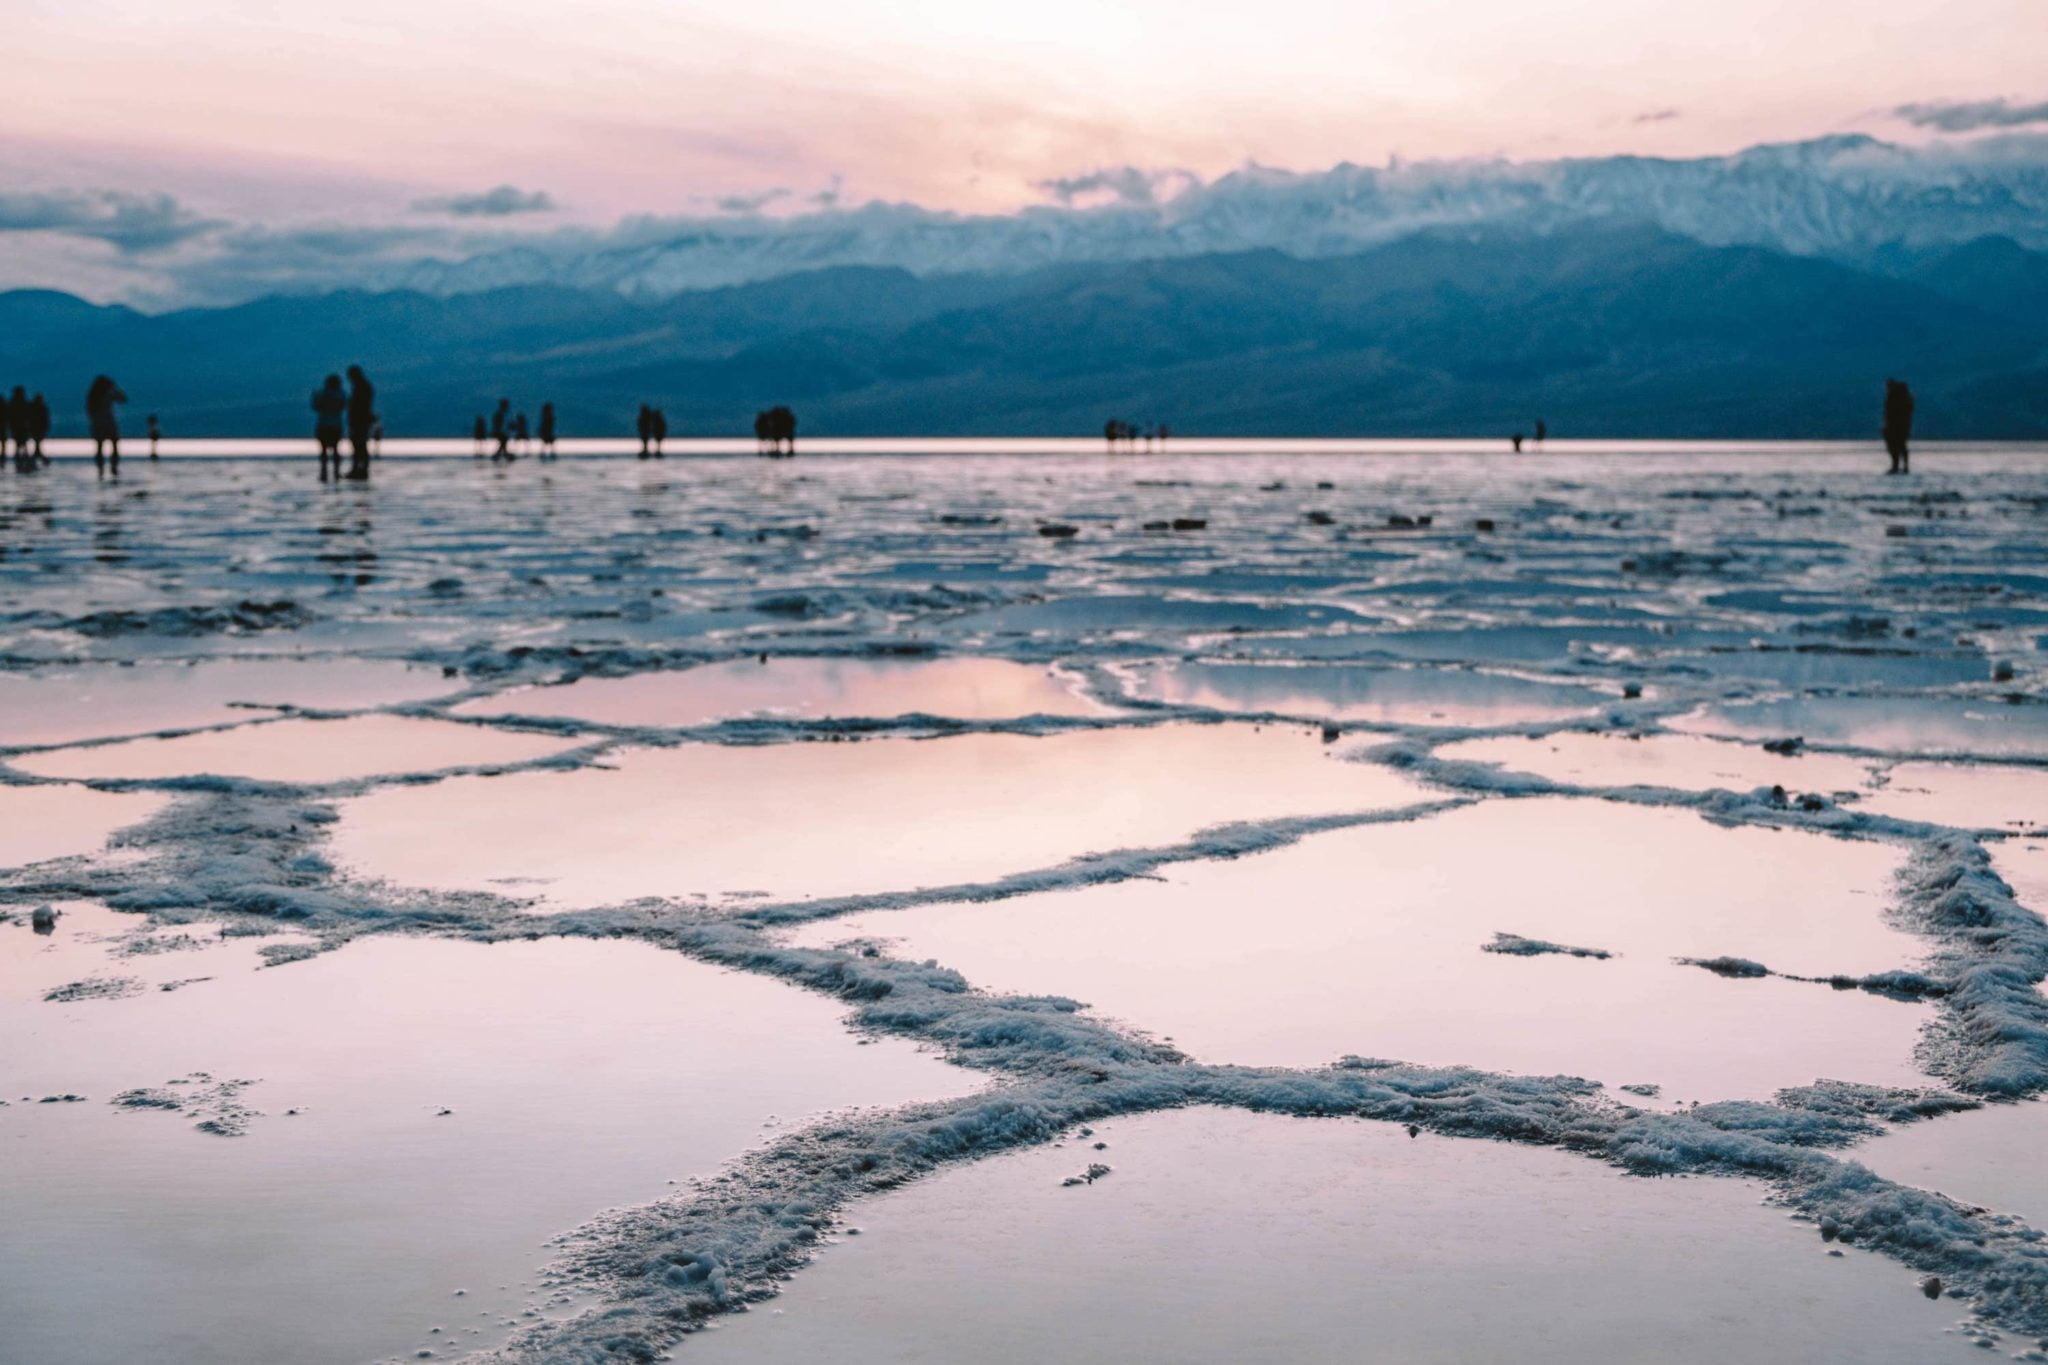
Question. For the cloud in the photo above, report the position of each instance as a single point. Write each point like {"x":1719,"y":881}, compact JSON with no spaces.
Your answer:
{"x":1128,"y":185}
{"x":748,"y":203}
{"x":1967,"y":116}
{"x":1656,"y":116}
{"x":499,"y":202}
{"x":130,"y":223}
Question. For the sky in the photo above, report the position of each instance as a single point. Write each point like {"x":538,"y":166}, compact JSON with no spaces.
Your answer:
{"x":539,"y":113}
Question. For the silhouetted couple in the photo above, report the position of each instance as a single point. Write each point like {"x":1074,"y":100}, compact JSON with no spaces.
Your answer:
{"x":652,"y":428}
{"x":353,"y":413}
{"x":100,"y":401}
{"x":26,"y":422}
{"x":1898,"y":425}
{"x":775,"y":431}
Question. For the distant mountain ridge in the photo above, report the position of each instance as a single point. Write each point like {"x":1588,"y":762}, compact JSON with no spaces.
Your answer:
{"x":1602,"y":329}
{"x":1846,"y":198}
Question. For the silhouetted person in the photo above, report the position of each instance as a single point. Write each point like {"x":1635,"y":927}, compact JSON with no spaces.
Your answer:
{"x":1517,"y":440}
{"x":155,"y":432}
{"x":1898,"y":425}
{"x":657,"y":422}
{"x":522,"y":433}
{"x":330,"y":406}
{"x":39,"y":425}
{"x":1542,"y":431}
{"x":547,"y":431}
{"x":643,"y":427}
{"x":476,"y":436}
{"x":781,"y":431}
{"x":362,"y":419}
{"x":501,"y":430}
{"x":761,"y":427}
{"x":100,"y":401}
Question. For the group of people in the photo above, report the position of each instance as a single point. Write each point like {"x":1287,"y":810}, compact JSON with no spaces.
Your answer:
{"x":1127,"y":434}
{"x":510,"y":429}
{"x":25,"y":422}
{"x":775,"y":432}
{"x":353,"y":413}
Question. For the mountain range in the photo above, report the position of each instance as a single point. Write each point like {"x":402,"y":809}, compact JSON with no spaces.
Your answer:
{"x":1602,"y":327}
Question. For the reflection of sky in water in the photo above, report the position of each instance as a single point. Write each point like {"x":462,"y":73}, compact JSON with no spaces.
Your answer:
{"x":830,"y":819}
{"x":92,"y":700}
{"x":301,"y":751}
{"x":581,"y":1076}
{"x":965,"y":689}
{"x":1892,"y":723}
{"x":62,"y":821}
{"x":1402,"y":696}
{"x":1962,"y":794}
{"x":1329,"y":1234}
{"x":1368,"y":941}
{"x":1687,"y":762}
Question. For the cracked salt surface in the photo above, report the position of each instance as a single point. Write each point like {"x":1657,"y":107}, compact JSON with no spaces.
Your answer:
{"x":1420,"y":696}
{"x":1225,"y":1237}
{"x":312,"y":752}
{"x":793,"y":820}
{"x":579,"y":1075}
{"x":960,"y":688}
{"x":1703,"y":579}
{"x":1369,"y":941}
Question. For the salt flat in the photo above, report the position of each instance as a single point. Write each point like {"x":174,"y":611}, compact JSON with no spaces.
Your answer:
{"x":640,"y":803}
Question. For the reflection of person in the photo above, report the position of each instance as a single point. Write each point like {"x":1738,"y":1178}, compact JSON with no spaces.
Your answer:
{"x":362,"y":419}
{"x":100,"y":401}
{"x":330,"y":404}
{"x":1898,"y":425}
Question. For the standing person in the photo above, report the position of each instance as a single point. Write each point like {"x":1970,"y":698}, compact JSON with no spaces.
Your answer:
{"x":643,"y":426}
{"x":330,"y":405}
{"x":1542,"y":431}
{"x":100,"y":401}
{"x":501,"y":431}
{"x":39,"y":425}
{"x":476,"y":437}
{"x":362,"y":416}
{"x":523,"y":434}
{"x":1898,"y":425}
{"x":155,"y":433}
{"x":659,"y":423}
{"x":547,"y":431}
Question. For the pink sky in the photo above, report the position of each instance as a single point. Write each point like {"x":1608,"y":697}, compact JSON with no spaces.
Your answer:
{"x":255,"y":108}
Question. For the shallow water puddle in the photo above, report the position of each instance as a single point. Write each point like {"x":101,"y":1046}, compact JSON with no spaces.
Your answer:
{"x":819,"y":819}
{"x":577,"y":1076}
{"x":305,"y":751}
{"x":1683,"y":762}
{"x":1369,"y":941}
{"x":1990,"y":1157}
{"x":1974,"y":797}
{"x":1402,"y":696}
{"x":90,"y":701}
{"x":1892,"y":724}
{"x":1225,"y":1237}
{"x":59,"y":821}
{"x":964,"y":689}
{"x":2024,"y":865}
